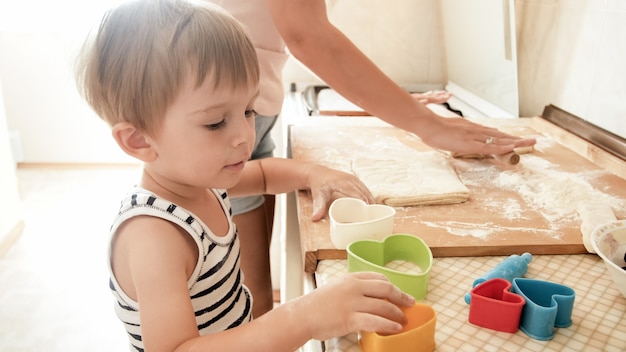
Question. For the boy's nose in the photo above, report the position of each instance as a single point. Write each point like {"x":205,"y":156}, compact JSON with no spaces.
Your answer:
{"x":245,"y":132}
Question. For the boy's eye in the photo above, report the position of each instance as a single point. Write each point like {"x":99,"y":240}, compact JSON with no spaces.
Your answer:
{"x":216,"y":126}
{"x":250,"y":113}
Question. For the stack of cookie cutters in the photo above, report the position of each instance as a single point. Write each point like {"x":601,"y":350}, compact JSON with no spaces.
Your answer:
{"x":418,"y":335}
{"x":506,"y":302}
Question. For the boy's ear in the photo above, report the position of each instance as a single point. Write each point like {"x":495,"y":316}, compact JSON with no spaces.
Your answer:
{"x":133,"y":141}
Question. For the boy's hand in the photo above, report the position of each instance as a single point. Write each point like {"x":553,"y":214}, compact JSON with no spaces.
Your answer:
{"x":364,"y":301}
{"x":324,"y":182}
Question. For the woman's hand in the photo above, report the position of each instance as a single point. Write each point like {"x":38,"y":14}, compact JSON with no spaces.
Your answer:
{"x":432,"y":97}
{"x":459,"y":135}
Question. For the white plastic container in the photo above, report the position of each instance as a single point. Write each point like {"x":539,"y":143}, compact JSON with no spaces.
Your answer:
{"x":609,"y":242}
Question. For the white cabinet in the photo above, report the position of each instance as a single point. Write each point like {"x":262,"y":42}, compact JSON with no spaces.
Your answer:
{"x":480,"y":44}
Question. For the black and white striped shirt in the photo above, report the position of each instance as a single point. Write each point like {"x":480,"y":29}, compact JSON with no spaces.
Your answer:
{"x":219,"y":298}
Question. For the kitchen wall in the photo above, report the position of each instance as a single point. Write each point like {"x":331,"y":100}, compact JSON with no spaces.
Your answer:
{"x":43,"y":104}
{"x":572,"y":54}
{"x":38,"y":44}
{"x":404,"y":38}
{"x":10,"y":208}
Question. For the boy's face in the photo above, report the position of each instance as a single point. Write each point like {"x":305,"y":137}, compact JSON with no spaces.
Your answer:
{"x":207,"y":135}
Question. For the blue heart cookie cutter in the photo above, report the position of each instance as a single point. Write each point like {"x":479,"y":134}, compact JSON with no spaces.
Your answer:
{"x":548,"y":305}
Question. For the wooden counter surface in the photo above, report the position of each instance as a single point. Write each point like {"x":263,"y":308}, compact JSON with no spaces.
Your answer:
{"x":530,"y":207}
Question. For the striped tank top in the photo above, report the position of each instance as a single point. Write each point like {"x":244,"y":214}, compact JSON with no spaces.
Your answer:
{"x":219,"y":298}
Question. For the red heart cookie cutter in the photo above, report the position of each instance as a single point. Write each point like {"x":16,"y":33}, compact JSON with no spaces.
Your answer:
{"x":494,"y":306}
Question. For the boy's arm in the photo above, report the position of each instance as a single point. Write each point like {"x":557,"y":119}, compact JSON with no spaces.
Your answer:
{"x":358,"y":301}
{"x":151,"y":261}
{"x":154,"y":258}
{"x":279,"y":175}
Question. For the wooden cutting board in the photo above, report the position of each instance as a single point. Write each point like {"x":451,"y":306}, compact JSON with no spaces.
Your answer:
{"x":531,"y":207}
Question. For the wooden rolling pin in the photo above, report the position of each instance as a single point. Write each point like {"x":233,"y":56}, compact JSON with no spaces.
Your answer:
{"x":509,"y":159}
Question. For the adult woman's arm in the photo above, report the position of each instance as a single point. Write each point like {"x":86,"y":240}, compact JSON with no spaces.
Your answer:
{"x":324,"y":49}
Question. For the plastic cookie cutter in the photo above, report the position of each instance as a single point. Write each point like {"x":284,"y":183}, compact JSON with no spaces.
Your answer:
{"x":548,"y":305}
{"x":372,"y":255}
{"x":494,"y":306}
{"x":352,"y":219}
{"x":417,"y":335}
{"x":510,"y":268}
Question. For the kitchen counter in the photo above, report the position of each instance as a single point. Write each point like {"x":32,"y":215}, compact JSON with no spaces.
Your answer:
{"x":599,"y":309}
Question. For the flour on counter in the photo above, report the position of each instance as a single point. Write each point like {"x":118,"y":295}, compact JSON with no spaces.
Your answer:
{"x":465,"y":229}
{"x":555,"y":195}
{"x":543,"y":142}
{"x":483,"y":231}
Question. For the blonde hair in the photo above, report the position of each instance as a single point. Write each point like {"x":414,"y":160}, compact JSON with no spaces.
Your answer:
{"x":145,"y":49}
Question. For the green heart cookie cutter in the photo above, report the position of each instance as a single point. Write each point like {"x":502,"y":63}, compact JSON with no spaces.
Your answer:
{"x":372,"y":255}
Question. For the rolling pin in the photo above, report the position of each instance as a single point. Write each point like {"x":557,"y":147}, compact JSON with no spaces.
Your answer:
{"x":508,"y":159}
{"x":511,"y":158}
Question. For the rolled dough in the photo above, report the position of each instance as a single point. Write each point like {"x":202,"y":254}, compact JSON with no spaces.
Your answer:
{"x":593,"y":214}
{"x":419,"y":178}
